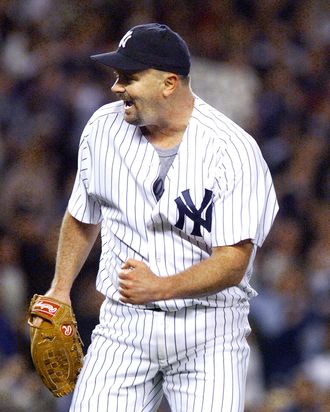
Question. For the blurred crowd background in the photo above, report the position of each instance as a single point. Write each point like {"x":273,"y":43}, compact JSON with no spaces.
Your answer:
{"x":266,"y":64}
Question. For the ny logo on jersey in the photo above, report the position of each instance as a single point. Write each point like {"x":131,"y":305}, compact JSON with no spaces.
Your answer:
{"x":127,"y":36}
{"x":187,"y":208}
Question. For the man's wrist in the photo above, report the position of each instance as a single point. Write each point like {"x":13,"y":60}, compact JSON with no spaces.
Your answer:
{"x":166,"y":288}
{"x":60,"y":293}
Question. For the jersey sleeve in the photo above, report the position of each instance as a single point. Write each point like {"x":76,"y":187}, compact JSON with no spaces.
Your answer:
{"x":82,"y":205}
{"x":245,"y":202}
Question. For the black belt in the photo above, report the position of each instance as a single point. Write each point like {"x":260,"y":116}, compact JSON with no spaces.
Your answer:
{"x":156,"y":309}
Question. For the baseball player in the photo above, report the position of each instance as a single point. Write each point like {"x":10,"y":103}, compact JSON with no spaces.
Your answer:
{"x":183,"y":199}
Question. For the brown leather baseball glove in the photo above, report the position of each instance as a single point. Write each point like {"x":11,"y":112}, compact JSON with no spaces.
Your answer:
{"x":56,"y":346}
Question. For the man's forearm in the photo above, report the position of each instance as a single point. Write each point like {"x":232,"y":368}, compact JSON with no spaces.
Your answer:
{"x":75,"y":243}
{"x":223,"y":269}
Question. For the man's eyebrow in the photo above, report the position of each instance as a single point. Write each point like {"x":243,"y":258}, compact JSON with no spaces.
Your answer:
{"x":127,"y":72}
{"x":124,"y":74}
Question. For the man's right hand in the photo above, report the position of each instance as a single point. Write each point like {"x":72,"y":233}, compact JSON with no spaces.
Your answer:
{"x":59,"y":295}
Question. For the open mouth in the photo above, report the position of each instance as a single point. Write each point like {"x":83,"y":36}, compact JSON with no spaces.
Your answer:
{"x":128,"y":104}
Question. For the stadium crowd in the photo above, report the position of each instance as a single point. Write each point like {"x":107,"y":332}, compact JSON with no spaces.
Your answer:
{"x":266,"y":64}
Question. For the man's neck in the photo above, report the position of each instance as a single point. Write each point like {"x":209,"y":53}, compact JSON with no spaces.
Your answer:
{"x":170,"y":133}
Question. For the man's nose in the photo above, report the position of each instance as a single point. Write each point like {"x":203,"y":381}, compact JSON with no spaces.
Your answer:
{"x":117,"y":87}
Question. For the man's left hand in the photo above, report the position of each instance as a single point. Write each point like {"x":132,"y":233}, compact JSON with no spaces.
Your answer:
{"x":138,"y":284}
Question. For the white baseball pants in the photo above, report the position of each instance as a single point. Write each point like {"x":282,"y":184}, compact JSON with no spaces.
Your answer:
{"x":197,"y":357}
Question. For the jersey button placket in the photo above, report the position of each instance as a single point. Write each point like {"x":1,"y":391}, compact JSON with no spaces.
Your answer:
{"x":161,"y":348}
{"x":154,"y":258}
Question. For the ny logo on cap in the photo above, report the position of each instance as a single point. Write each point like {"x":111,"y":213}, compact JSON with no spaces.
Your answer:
{"x":127,"y":36}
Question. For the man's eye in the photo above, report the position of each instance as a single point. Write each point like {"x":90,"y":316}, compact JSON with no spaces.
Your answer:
{"x":124,"y":79}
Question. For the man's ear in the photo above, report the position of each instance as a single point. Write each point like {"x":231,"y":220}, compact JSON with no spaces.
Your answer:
{"x":170,"y":83}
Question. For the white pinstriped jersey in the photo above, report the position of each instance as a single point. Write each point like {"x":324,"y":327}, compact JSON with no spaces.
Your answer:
{"x":218,"y":191}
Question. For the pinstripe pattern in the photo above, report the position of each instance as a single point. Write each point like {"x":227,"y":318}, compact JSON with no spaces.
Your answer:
{"x":194,"y":349}
{"x":197,"y":355}
{"x":116,"y":172}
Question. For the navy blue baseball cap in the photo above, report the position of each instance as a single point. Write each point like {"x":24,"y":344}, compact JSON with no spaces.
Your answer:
{"x":149,"y":46}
